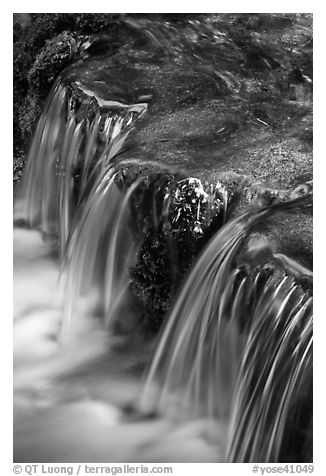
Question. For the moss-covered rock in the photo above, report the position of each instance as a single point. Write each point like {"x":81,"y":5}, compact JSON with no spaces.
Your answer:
{"x":175,"y":219}
{"x":229,"y":100}
{"x":44,"y":45}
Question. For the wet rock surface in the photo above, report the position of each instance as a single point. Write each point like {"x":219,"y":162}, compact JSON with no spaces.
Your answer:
{"x":253,"y":137}
{"x":208,"y":143}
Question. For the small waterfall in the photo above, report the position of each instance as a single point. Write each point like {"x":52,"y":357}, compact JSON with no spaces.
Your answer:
{"x":69,"y":193}
{"x":269,"y":389}
{"x":68,"y":152}
{"x":236,"y":347}
{"x":101,"y":249}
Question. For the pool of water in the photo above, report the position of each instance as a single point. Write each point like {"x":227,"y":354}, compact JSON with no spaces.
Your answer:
{"x":75,"y":400}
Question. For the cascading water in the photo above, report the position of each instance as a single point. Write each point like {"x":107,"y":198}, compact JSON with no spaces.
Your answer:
{"x":223,"y":324}
{"x":233,"y":366}
{"x":62,"y":144}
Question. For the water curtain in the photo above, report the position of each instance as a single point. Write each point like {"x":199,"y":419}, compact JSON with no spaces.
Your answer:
{"x":237,"y":346}
{"x":69,"y":151}
{"x":237,"y":343}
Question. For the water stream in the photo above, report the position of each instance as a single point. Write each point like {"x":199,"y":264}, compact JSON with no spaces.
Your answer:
{"x":229,"y":376}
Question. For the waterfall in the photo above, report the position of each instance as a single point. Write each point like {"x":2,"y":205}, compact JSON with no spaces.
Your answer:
{"x":235,"y":349}
{"x":237,"y":346}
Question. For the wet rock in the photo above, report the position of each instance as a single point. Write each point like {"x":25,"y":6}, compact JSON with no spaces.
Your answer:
{"x":251,"y":138}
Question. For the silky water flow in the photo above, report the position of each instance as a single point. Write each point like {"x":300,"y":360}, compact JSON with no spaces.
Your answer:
{"x":229,"y":377}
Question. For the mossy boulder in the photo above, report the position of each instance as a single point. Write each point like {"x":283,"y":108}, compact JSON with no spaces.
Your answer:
{"x":229,"y":101}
